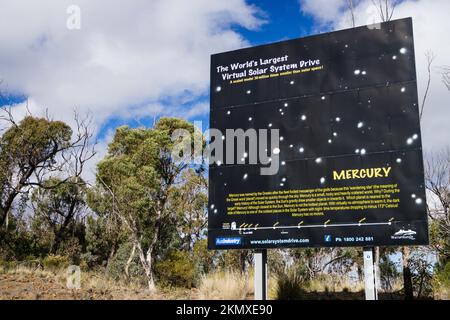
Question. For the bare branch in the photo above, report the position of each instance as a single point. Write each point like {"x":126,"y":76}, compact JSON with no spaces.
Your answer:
{"x":430,"y":58}
{"x":352,"y":11}
{"x":446,"y":76}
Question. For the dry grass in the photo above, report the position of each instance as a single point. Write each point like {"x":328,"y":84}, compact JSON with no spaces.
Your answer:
{"x":226,"y":285}
{"x":328,"y":283}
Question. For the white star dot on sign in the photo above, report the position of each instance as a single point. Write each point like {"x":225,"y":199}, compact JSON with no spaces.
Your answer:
{"x":394,"y":57}
{"x":323,"y":98}
{"x":363,"y":151}
{"x":250,"y":119}
{"x":360,"y":124}
{"x":215,"y":210}
{"x":330,"y":141}
{"x":419,"y":201}
{"x":218,"y":89}
{"x":403,"y":50}
{"x":270,"y":125}
{"x":322,"y":180}
{"x":303,"y":117}
{"x":415,"y":136}
{"x":338,"y":119}
{"x":212,"y":206}
{"x":334,"y":134}
{"x":413,"y":196}
{"x":357,"y":72}
{"x":228,"y":112}
{"x":245,"y":176}
{"x":284,"y":179}
{"x":276,"y":151}
{"x":364,"y":73}
{"x":398,"y":160}
{"x":318,"y":160}
{"x":292,"y":82}
{"x":281,"y":138}
{"x":285,"y":104}
{"x":301,"y":150}
{"x":249,"y":91}
{"x":403,"y":89}
{"x":409,"y":141}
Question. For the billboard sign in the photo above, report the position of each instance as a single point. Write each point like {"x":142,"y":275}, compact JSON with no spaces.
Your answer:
{"x":321,"y":143}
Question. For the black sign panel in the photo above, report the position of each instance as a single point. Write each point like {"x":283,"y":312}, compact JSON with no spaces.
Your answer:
{"x":350,"y":157}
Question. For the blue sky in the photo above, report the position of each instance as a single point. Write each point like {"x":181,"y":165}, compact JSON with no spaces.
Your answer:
{"x":284,"y":20}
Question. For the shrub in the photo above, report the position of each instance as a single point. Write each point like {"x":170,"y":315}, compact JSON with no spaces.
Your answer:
{"x":442,"y":282}
{"x":290,"y":286}
{"x":116,"y":265}
{"x":177,"y":269}
{"x":55,"y":262}
{"x":203,"y":257}
{"x":71,"y":248}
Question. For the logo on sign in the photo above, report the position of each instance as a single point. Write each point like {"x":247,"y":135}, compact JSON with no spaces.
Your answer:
{"x":327,"y":238}
{"x":234,"y":241}
{"x":404,"y":234}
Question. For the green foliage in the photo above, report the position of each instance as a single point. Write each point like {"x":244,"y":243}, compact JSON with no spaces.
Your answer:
{"x":55,"y":262}
{"x":72,"y":249}
{"x":188,"y":200}
{"x":103,"y":236}
{"x":388,"y":273}
{"x":177,"y":269}
{"x":136,"y":180}
{"x":235,"y":260}
{"x":276,"y":260}
{"x":441,"y":283}
{"x":422,"y":274}
{"x":443,"y":274}
{"x":116,"y":266}
{"x":203,"y":257}
{"x":440,"y":237}
{"x":25,"y":148}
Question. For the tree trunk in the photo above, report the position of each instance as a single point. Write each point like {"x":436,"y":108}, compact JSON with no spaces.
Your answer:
{"x":56,"y":243}
{"x":130,"y":259}
{"x":146,"y":262}
{"x":407,"y":277}
{"x":377,"y":270}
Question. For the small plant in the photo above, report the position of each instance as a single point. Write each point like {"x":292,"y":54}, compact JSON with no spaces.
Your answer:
{"x":55,"y":262}
{"x":290,"y":286}
{"x":177,"y":269}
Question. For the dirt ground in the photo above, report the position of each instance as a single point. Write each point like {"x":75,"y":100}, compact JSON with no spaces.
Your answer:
{"x":48,"y":286}
{"x":44,"y":287}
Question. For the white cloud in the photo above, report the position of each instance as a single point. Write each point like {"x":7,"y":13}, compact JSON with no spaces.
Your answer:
{"x":431,"y":30}
{"x":125,"y":59}
{"x":324,"y":11}
{"x":127,"y":53}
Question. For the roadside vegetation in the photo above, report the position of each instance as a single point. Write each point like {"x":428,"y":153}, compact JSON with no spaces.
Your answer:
{"x":139,"y":231}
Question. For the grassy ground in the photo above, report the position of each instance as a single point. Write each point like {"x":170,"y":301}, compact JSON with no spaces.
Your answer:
{"x":26,"y":283}
{"x":31,"y":283}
